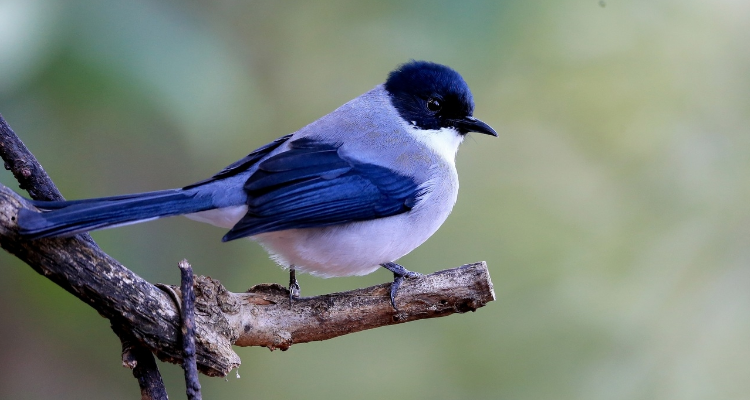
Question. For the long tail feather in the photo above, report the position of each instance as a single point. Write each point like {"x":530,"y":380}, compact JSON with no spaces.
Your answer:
{"x":71,"y":217}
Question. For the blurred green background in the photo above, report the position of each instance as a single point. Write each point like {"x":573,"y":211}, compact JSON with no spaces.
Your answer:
{"x":613,"y":209}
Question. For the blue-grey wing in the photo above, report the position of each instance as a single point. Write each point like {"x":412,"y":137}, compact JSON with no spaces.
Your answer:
{"x":244,"y":163}
{"x":311,"y":185}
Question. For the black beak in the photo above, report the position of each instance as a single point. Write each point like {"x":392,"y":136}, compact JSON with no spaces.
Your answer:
{"x":471,"y":124}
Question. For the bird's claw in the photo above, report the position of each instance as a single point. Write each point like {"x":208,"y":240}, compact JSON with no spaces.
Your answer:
{"x":399,"y":273}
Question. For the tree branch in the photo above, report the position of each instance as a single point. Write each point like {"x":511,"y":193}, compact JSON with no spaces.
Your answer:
{"x":139,"y":358}
{"x":259,"y":317}
{"x":267,"y":320}
{"x":32,"y":177}
{"x":24,"y":166}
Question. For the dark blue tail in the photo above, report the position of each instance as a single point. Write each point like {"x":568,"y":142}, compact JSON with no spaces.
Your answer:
{"x":71,"y":217}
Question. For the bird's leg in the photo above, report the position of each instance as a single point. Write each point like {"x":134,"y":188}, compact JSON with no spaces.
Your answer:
{"x":399,"y":273}
{"x":294,"y":288}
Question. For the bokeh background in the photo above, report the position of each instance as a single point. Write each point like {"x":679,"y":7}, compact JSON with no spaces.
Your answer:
{"x":613,"y":209}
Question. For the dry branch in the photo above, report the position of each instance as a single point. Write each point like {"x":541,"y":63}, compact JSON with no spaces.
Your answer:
{"x":24,"y":166}
{"x":263,"y":317}
{"x":127,"y":300}
{"x":187,"y":283}
{"x":139,"y":358}
{"x":32,"y":177}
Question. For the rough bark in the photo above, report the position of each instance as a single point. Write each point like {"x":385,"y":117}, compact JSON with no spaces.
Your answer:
{"x":140,"y":359}
{"x":128,"y":301}
{"x":187,"y":282}
{"x":267,"y":320}
{"x":34,"y":179}
{"x":24,"y":166}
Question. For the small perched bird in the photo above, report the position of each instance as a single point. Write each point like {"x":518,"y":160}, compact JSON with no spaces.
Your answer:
{"x":355,"y":190}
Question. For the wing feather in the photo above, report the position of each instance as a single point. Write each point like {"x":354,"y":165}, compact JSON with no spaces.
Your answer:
{"x":312,"y":184}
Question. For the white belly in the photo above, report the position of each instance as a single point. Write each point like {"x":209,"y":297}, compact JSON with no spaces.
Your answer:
{"x":356,"y":248}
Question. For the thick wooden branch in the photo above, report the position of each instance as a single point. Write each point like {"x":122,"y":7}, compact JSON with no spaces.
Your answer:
{"x":32,"y":177}
{"x":263,"y":316}
{"x":127,"y":300}
{"x":267,"y":320}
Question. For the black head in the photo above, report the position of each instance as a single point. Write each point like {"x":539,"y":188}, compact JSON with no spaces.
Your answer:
{"x":433,"y":96}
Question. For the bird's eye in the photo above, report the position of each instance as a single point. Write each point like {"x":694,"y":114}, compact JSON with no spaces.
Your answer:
{"x":434,"y":105}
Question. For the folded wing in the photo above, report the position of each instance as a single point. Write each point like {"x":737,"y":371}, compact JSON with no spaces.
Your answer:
{"x":312,"y":184}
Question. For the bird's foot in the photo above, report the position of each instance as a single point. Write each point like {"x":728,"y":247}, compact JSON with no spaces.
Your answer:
{"x":399,"y":273}
{"x":294,"y":289}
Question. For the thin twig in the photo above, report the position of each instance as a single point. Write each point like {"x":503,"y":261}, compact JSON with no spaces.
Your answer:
{"x":192,"y":384}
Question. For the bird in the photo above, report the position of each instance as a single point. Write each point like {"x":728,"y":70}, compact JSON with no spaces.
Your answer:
{"x":351,"y":192}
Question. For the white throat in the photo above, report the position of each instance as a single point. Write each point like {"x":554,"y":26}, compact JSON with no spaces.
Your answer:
{"x":443,"y":141}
